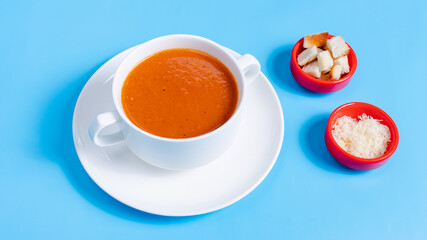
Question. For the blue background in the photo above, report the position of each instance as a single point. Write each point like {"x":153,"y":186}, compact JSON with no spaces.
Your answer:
{"x":49,"y":49}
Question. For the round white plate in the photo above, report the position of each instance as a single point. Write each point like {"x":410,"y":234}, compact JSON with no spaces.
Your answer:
{"x":180,"y":193}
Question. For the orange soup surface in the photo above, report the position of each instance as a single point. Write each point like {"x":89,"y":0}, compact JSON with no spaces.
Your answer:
{"x":179,"y":93}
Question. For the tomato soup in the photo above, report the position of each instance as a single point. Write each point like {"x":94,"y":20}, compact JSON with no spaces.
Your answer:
{"x":179,"y":93}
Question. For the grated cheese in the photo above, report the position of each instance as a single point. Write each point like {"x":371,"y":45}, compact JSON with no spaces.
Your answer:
{"x":366,"y":138}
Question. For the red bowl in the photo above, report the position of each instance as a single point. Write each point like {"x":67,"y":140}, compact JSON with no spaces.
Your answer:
{"x":354,"y":110}
{"x":318,"y":85}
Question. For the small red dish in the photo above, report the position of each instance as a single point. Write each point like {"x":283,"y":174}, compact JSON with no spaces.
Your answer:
{"x":315,"y":84}
{"x":354,"y":110}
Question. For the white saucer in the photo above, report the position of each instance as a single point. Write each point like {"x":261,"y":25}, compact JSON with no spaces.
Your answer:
{"x":180,"y":193}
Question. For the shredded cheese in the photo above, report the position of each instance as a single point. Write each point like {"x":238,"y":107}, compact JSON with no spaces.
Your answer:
{"x":364,"y":138}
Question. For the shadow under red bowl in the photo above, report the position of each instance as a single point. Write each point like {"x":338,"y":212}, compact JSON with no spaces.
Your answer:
{"x":317,"y":85}
{"x":354,"y":110}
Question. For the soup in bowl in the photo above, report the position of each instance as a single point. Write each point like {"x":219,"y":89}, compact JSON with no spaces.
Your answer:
{"x":178,"y":101}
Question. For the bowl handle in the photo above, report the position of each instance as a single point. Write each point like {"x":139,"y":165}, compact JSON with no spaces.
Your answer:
{"x":103,"y":121}
{"x":249,"y":66}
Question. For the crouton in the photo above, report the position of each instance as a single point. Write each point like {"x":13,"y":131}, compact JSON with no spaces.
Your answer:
{"x":336,"y":72}
{"x":325,"y":75}
{"x":343,"y":61}
{"x":317,"y":39}
{"x":312,"y":69}
{"x":325,"y":61}
{"x":307,"y":56}
{"x":337,"y":46}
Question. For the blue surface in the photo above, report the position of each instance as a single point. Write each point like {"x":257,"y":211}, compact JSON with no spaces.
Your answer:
{"x":49,"y":49}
